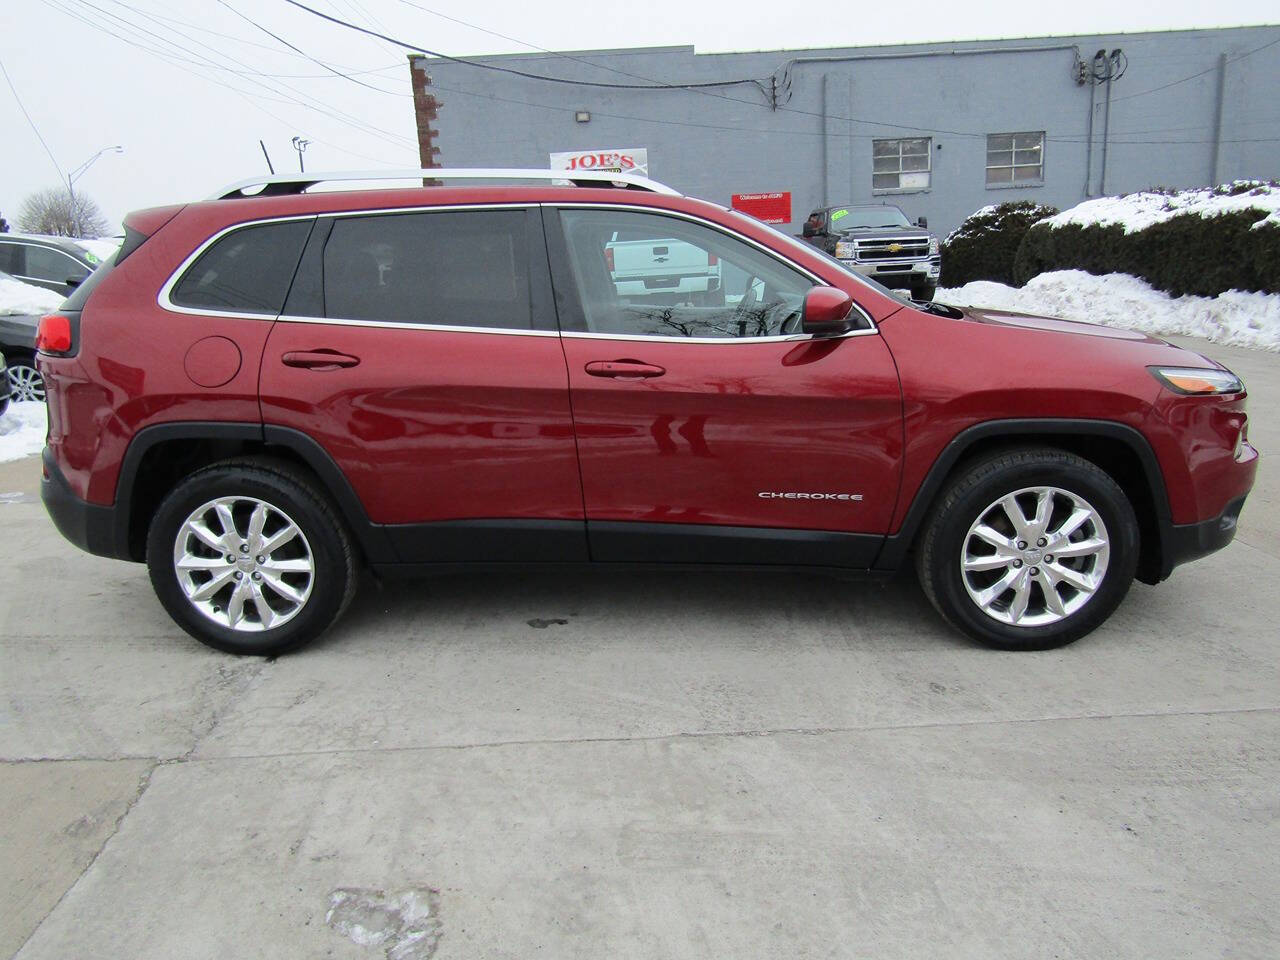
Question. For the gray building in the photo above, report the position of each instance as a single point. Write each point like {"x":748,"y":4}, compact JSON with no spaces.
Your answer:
{"x":941,"y":129}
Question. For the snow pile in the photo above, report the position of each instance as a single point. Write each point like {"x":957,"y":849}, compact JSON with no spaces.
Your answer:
{"x":25,"y":299}
{"x":1137,"y":211}
{"x":102,"y":248}
{"x":22,"y":430}
{"x":1119,"y":300}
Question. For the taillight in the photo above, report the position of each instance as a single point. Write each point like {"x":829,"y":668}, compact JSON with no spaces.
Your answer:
{"x":53,"y":335}
{"x":712,"y":260}
{"x":608,"y":258}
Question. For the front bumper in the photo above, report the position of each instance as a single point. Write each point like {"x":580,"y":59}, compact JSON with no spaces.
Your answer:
{"x":89,"y":526}
{"x":1190,"y":541}
{"x":896,"y":274}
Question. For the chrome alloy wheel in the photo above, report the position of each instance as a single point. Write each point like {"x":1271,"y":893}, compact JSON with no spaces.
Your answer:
{"x":25,"y":384}
{"x":1035,"y":556}
{"x":244,"y":564}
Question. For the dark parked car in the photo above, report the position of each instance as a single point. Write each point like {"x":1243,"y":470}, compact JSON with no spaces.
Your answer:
{"x":59,"y":264}
{"x":4,"y":387}
{"x":18,"y":341}
{"x":878,"y":241}
{"x":260,"y":394}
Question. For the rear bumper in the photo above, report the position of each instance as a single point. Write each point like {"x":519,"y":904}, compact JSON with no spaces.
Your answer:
{"x":90,"y":526}
{"x":1190,"y":541}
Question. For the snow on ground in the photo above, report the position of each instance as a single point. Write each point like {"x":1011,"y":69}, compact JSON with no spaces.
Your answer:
{"x":1119,"y":300}
{"x":1137,"y":211}
{"x":22,"y":429}
{"x":26,"y":299}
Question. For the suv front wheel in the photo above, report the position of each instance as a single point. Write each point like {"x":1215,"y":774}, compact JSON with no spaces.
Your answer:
{"x":249,"y":557}
{"x":1029,"y":550}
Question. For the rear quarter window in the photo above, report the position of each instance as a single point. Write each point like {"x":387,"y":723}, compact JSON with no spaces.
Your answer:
{"x":248,"y":270}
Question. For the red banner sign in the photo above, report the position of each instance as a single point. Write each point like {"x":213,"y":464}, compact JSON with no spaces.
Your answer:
{"x":769,"y":207}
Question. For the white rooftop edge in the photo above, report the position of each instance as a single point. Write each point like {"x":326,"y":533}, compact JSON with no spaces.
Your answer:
{"x":443,"y":173}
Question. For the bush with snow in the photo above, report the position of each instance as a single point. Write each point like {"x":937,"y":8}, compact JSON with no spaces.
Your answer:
{"x":1118,"y":300}
{"x":984,"y":246}
{"x":1205,"y":241}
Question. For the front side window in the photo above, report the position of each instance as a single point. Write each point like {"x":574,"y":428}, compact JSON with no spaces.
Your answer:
{"x":647,"y":275}
{"x":465,"y":268}
{"x":246,"y":271}
{"x":53,"y":265}
{"x":901,"y":165}
{"x":1015,"y":159}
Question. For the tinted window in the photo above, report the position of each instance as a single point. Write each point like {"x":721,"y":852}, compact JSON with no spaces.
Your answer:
{"x":247,"y":271}
{"x":453,"y":268}
{"x":44,"y":263}
{"x":648,"y":275}
{"x":10,"y":258}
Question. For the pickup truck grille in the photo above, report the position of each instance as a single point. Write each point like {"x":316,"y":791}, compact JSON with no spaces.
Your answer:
{"x":877,"y":251}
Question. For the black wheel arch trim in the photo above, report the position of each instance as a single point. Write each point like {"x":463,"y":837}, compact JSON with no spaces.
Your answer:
{"x":371,"y":537}
{"x":898,"y":545}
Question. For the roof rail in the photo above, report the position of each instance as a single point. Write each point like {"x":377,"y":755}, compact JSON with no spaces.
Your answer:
{"x":298,"y":183}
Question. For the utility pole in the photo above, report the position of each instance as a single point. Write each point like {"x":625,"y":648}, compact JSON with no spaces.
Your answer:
{"x":80,"y":171}
{"x":300,"y":145}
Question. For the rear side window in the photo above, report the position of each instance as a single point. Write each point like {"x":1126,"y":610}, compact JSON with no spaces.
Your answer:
{"x":53,"y":266}
{"x":450,"y":268}
{"x":247,"y":271}
{"x":10,"y":258}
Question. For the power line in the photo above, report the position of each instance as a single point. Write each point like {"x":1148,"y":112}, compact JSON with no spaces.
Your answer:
{"x":277,"y":87}
{"x":1193,"y":76}
{"x":554,"y":53}
{"x":336,"y":72}
{"x":34,"y":128}
{"x":519,"y":73}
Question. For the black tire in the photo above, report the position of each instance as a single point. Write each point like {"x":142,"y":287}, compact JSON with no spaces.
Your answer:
{"x":924,"y":292}
{"x":285,"y":489}
{"x":976,"y":489}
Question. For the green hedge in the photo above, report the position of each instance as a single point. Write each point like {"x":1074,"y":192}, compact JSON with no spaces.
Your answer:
{"x":984,"y":246}
{"x":1186,"y":254}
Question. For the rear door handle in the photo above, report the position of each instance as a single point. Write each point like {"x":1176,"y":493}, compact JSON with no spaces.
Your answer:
{"x":318,"y":359}
{"x":624,"y":369}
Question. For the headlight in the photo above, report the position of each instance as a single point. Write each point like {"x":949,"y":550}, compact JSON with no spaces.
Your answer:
{"x":934,"y":247}
{"x":844,"y":250}
{"x":1197,"y":380}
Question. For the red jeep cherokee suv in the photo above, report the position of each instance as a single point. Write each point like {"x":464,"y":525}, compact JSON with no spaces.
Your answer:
{"x":260,"y":394}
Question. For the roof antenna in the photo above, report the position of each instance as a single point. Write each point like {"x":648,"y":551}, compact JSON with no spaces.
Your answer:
{"x":268,"y":157}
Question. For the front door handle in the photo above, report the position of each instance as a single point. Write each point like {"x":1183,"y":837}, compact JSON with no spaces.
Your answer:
{"x":624,"y":369}
{"x":318,"y":359}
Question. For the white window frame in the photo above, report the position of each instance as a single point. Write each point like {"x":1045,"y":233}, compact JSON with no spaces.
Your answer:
{"x":1012,"y":166}
{"x":899,"y":141}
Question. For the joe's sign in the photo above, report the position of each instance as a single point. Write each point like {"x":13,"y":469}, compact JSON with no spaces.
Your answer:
{"x":627,"y":160}
{"x":769,"y":207}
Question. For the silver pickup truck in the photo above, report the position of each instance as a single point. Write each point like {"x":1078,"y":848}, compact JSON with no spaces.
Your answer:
{"x":878,"y":241}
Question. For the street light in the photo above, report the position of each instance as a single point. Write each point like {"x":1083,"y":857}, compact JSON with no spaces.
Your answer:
{"x":79,"y":171}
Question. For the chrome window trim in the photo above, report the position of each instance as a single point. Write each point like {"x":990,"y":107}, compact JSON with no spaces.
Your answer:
{"x":401,"y":325}
{"x":165,"y":303}
{"x":768,"y":251}
{"x":163,"y":297}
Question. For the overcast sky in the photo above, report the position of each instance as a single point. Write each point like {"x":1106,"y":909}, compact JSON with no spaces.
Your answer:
{"x":188,"y":87}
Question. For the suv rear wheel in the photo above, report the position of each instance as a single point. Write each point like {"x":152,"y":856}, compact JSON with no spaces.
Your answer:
{"x":1029,"y":550}
{"x":249,"y":557}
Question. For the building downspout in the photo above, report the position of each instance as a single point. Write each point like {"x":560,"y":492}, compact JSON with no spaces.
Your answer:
{"x":1088,"y":139}
{"x":1106,"y":125}
{"x":1215,"y":171}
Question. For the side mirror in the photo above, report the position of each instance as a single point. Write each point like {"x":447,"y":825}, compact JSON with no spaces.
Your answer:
{"x":826,"y":312}
{"x":74,"y":282}
{"x":923,"y":223}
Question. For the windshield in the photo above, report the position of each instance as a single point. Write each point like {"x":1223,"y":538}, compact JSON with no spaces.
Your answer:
{"x":901,"y":296}
{"x":860,"y":218}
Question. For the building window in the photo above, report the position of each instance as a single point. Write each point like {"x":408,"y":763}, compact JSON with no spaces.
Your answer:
{"x":901,"y":165}
{"x":1015,"y":159}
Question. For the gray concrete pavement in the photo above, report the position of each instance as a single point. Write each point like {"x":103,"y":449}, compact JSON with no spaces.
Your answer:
{"x":688,"y":767}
